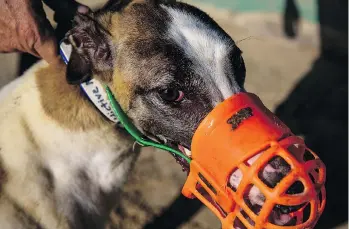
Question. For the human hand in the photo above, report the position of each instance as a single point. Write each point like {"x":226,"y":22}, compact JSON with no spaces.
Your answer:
{"x":25,"y":28}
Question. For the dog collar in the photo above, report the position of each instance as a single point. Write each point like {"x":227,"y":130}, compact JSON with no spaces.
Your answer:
{"x":93,"y":89}
{"x":104,"y":100}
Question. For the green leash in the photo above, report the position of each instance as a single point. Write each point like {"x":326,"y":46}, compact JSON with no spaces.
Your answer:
{"x":134,"y":132}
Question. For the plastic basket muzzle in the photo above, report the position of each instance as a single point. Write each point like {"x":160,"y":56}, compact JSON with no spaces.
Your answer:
{"x":238,"y":129}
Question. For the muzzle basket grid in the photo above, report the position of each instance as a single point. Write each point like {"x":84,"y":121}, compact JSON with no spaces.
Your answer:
{"x":237,"y":130}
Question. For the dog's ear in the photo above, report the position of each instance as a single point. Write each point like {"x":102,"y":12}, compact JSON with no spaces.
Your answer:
{"x":92,"y":50}
{"x":78,"y":69}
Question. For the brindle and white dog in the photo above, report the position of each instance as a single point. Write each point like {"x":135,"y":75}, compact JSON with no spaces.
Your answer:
{"x":62,"y":162}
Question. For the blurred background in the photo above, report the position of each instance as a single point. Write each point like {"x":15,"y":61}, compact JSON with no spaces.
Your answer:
{"x":296,"y":55}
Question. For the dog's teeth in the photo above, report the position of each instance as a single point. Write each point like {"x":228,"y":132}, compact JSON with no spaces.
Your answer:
{"x":187,"y":152}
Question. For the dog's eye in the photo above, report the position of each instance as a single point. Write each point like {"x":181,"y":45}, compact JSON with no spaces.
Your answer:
{"x":171,"y":95}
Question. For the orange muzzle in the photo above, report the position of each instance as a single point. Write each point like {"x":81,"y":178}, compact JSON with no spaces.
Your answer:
{"x":242,"y":135}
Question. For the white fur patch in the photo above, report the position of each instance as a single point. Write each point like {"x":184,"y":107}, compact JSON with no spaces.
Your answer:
{"x":63,"y":152}
{"x":206,"y":46}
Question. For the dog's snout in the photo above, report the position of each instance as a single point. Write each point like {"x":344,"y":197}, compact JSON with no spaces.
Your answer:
{"x":274,"y":171}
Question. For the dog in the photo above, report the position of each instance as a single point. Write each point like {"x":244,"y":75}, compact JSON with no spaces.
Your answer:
{"x":62,"y":163}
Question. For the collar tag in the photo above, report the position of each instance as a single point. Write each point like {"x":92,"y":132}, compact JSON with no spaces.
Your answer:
{"x":93,"y":89}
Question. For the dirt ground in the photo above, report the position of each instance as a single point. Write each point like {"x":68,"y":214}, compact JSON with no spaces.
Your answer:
{"x":275,"y":64}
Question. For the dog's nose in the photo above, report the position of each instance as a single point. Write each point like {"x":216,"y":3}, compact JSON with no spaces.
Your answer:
{"x":274,"y":171}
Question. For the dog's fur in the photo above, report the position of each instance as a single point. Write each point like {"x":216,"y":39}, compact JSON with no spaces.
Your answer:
{"x":62,"y":163}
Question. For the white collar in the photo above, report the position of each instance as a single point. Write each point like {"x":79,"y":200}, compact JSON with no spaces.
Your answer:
{"x":93,"y":88}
